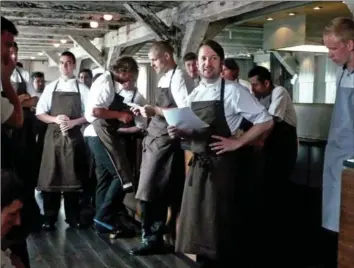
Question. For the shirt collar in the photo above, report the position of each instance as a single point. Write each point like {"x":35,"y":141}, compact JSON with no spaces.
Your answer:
{"x":216,"y":84}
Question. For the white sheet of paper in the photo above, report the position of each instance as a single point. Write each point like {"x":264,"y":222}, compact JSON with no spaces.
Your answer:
{"x":183,"y":118}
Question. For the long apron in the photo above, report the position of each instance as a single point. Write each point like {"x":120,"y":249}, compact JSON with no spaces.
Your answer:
{"x":63,"y":164}
{"x":106,"y":130}
{"x":340,"y":147}
{"x":162,"y":167}
{"x":208,"y":204}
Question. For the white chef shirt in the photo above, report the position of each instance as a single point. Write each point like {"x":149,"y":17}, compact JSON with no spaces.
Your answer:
{"x":45,"y":101}
{"x":102,"y":94}
{"x":238,"y":102}
{"x":16,"y":78}
{"x":280,"y":105}
{"x":245,"y":83}
{"x":181,"y":85}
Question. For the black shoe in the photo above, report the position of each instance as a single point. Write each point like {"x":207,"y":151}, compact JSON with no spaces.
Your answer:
{"x":122,"y":232}
{"x":148,"y":248}
{"x":75,"y":224}
{"x":48,"y":227}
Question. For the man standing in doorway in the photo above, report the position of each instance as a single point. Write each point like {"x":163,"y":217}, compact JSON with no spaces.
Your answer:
{"x":63,"y":166}
{"x":338,"y":37}
{"x":162,"y":168}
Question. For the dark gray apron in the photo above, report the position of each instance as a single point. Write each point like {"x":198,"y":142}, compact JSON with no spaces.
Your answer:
{"x":162,"y":167}
{"x":208,"y":205}
{"x":106,"y":130}
{"x":63,"y":160}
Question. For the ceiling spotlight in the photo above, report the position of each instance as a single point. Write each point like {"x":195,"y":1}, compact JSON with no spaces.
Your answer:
{"x":93,"y":24}
{"x":63,"y":41}
{"x":291,"y":14}
{"x":317,"y":8}
{"x":40,"y":53}
{"x":269,"y":18}
{"x":107,"y":17}
{"x":32,"y":58}
{"x":57,"y":45}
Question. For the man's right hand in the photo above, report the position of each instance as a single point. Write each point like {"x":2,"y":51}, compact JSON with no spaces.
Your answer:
{"x":24,"y":97}
{"x":61,"y":118}
{"x":125,"y":117}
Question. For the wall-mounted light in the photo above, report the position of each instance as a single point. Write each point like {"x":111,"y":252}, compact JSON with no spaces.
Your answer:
{"x":63,"y":41}
{"x":291,"y":14}
{"x":40,"y":53}
{"x":93,"y":24}
{"x":317,"y":8}
{"x":107,"y":17}
{"x":32,"y":58}
{"x":56,"y":45}
{"x":269,"y":18}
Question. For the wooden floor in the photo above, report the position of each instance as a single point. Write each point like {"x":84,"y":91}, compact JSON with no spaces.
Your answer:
{"x":71,"y":248}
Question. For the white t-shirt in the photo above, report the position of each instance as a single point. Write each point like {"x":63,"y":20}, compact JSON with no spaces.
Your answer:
{"x":280,"y":105}
{"x":45,"y":101}
{"x":238,"y":102}
{"x":246,"y":84}
{"x":102,"y":94}
{"x":181,"y":85}
{"x":6,"y":108}
{"x":16,"y":78}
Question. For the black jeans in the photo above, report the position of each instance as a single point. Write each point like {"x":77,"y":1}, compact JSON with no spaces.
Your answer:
{"x":51,"y":206}
{"x":109,"y":190}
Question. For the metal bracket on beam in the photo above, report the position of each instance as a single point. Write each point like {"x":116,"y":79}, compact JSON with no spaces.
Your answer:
{"x":89,"y":48}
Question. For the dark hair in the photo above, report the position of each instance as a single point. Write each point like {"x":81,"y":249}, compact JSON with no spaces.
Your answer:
{"x":88,"y":71}
{"x":37,"y":74}
{"x":262,"y":74}
{"x":214,"y":46}
{"x":69,"y":54}
{"x":96,"y":76}
{"x":126,"y":64}
{"x":8,"y":26}
{"x":190,"y":56}
{"x":19,"y":64}
{"x":11,"y":188}
{"x":162,"y":46}
{"x":230,"y":63}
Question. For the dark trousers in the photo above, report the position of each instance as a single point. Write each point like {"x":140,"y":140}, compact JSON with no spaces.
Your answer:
{"x":109,"y":190}
{"x":51,"y":206}
{"x":153,"y":219}
{"x":330,"y":248}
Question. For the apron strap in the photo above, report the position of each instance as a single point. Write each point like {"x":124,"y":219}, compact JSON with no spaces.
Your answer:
{"x":134,"y":95}
{"x":222,"y":90}
{"x":56,"y":86}
{"x":113,"y":82}
{"x":21,"y":77}
{"x":174,"y":70}
{"x":341,"y":77}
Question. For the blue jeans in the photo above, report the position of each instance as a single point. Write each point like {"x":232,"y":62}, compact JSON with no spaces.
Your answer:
{"x":109,"y":191}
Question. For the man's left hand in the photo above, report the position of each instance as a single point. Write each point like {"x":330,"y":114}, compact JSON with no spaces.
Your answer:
{"x":66,"y":125}
{"x":225,"y":144}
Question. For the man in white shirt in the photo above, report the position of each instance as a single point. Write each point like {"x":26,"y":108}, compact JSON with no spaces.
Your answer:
{"x":85,"y":77}
{"x":214,"y":222}
{"x":190,"y":65}
{"x":280,"y":154}
{"x":107,"y":112}
{"x":63,"y":167}
{"x":162,"y":167}
{"x":231,"y":71}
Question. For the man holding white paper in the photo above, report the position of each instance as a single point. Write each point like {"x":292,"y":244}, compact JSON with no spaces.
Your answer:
{"x":214,"y":206}
{"x":162,"y":168}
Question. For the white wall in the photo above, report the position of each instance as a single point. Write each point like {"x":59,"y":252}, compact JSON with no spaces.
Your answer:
{"x":50,"y":73}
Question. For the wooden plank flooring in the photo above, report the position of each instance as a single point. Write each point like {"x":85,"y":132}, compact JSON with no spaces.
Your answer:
{"x":70,"y":248}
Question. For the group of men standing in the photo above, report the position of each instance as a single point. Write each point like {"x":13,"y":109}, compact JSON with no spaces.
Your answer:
{"x":215,"y":201}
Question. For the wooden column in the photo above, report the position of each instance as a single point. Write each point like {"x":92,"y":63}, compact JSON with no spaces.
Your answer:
{"x":346,"y":232}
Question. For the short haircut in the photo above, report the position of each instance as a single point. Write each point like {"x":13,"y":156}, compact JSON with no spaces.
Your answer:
{"x":11,"y":188}
{"x":8,"y":26}
{"x":214,"y":46}
{"x":262,"y":74}
{"x":190,"y":56}
{"x":341,"y":27}
{"x":19,"y":64}
{"x":231,"y":63}
{"x":88,"y":71}
{"x":162,"y":47}
{"x":69,"y":54}
{"x":126,"y":64}
{"x":37,"y":74}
